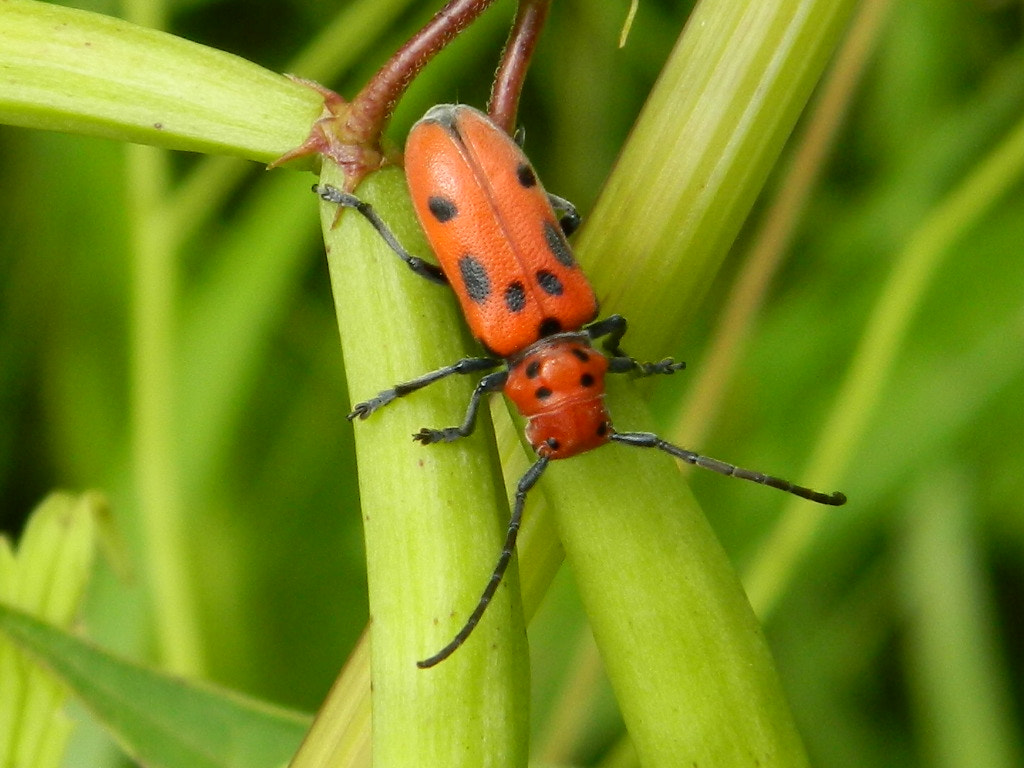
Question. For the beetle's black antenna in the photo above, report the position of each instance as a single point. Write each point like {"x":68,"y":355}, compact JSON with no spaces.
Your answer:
{"x":647,"y":440}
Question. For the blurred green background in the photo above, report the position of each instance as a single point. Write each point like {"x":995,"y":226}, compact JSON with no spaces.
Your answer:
{"x":900,"y":639}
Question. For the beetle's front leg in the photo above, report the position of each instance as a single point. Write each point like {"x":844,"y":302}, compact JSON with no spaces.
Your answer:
{"x":613,"y":328}
{"x":425,"y":269}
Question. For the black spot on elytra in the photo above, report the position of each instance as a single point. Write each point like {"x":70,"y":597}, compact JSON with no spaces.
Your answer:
{"x":532,"y":369}
{"x":549,"y":282}
{"x":515,"y":297}
{"x":526,"y":176}
{"x":580,"y":354}
{"x":548,"y":326}
{"x":586,"y":380}
{"x":443,"y":208}
{"x":474,"y":278}
{"x":556,"y":242}
{"x":602,"y":429}
{"x":542,"y":393}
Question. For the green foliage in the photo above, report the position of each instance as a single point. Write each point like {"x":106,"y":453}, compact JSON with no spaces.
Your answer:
{"x":45,"y":575}
{"x":166,"y":334}
{"x":157,"y":719}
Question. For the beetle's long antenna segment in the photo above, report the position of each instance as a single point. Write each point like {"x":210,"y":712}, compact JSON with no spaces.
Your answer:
{"x":526,"y":482}
{"x":647,"y":440}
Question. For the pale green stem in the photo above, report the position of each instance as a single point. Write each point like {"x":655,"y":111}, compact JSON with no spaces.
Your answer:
{"x":433,"y":515}
{"x":153,"y":400}
{"x":341,"y":43}
{"x":770,"y":246}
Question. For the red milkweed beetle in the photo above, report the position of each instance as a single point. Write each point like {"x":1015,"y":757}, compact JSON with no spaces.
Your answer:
{"x":503,"y":251}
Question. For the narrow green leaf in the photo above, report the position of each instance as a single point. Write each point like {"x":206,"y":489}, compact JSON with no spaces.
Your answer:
{"x":161,"y":721}
{"x":79,"y":72}
{"x":45,"y":576}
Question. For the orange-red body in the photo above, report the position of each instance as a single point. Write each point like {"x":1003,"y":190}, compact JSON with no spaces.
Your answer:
{"x":496,"y":235}
{"x":490,"y":223}
{"x":503,"y":251}
{"x":558,"y":385}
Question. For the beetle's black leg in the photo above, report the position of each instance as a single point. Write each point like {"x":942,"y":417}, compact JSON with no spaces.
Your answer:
{"x":466,"y":365}
{"x":492,"y":382}
{"x":569,"y":217}
{"x":525,"y":484}
{"x":614,"y":327}
{"x":345,"y":200}
{"x":629,"y":365}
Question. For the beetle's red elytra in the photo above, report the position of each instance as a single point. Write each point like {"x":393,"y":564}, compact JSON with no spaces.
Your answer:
{"x":502,"y":248}
{"x":492,"y":227}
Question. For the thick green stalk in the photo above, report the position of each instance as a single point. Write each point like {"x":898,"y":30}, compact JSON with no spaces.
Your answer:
{"x":699,"y":154}
{"x":85,"y":73}
{"x":691,"y":671}
{"x":433,"y":515}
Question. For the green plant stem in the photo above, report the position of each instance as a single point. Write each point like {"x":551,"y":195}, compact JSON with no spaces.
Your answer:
{"x":70,"y":70}
{"x":340,"y":737}
{"x":699,"y":154}
{"x":692,"y":673}
{"x":434,"y":516}
{"x":156,"y":466}
{"x":154,"y":398}
{"x":771,"y":243}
